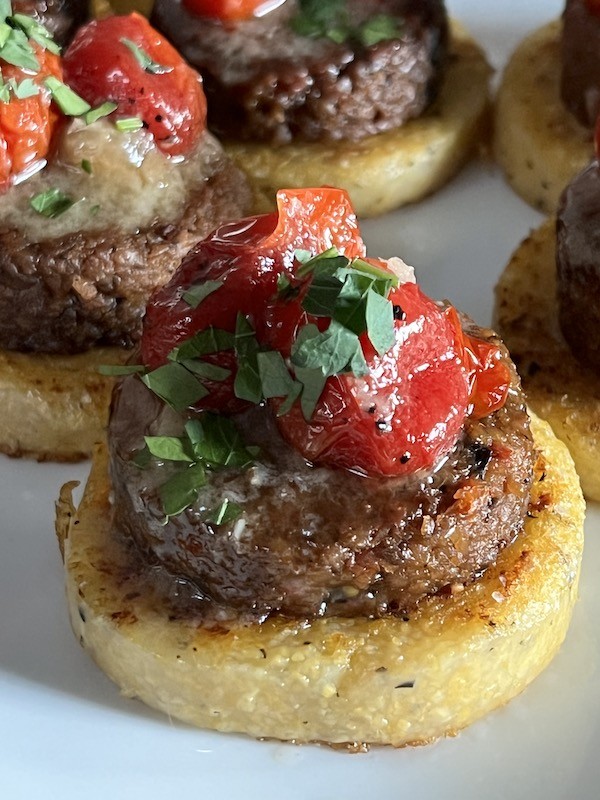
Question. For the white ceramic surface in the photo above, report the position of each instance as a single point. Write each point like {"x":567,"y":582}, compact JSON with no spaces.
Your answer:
{"x":66,"y":733}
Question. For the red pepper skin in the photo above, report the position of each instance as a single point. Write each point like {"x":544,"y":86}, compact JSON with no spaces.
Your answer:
{"x":247,"y":256}
{"x":100,"y":67}
{"x":27,"y":126}
{"x":228,"y":10}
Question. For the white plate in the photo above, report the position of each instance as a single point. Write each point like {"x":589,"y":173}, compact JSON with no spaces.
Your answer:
{"x":66,"y":733}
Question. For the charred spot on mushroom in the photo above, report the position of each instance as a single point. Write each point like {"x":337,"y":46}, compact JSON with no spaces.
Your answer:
{"x":481,"y":458}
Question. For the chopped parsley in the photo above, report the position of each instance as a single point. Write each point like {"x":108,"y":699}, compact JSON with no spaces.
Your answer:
{"x":329,"y":19}
{"x":379,"y":28}
{"x":210,"y":443}
{"x":17,"y":31}
{"x":51,"y":203}
{"x":196,"y":294}
{"x":69,"y":102}
{"x":129,"y":124}
{"x":352,"y":297}
{"x":117,"y":370}
{"x":103,"y":110}
{"x":176,"y":385}
{"x":36,"y":32}
{"x":21,"y":90}
{"x":144,"y":60}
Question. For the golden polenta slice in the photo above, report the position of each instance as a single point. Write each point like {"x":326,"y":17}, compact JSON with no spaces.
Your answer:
{"x":350,"y":681}
{"x":538,"y":143}
{"x":55,"y":407}
{"x":559,"y":388}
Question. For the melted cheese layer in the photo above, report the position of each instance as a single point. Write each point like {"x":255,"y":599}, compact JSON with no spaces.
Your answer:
{"x":131,"y":184}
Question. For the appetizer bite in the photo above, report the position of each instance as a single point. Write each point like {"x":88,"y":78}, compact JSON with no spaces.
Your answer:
{"x":323,"y":512}
{"x":547,"y":105}
{"x":548,"y":311}
{"x":107,"y":178}
{"x":377,"y":97}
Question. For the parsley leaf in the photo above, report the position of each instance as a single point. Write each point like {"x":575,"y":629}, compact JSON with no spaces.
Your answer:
{"x":313,"y":382}
{"x":322,"y":18}
{"x":377,"y":29}
{"x":27,"y":88}
{"x":121,"y":369}
{"x":196,"y":294}
{"x":205,"y":370}
{"x":101,"y":111}
{"x":129,"y":124}
{"x":322,"y":296}
{"x":330,"y":19}
{"x":144,"y":60}
{"x":217,"y":441}
{"x":380,"y":322}
{"x":38,"y":33}
{"x":226,"y":512}
{"x":51,"y":203}
{"x":210,"y":340}
{"x":17,"y":51}
{"x":247,"y":384}
{"x":211,"y":442}
{"x":330,"y":351}
{"x":174,"y":384}
{"x":66,"y":99}
{"x":167,"y":448}
{"x":275,"y":378}
{"x":181,"y":489}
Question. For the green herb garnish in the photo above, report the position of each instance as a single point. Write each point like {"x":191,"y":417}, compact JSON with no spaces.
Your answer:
{"x":196,"y":294}
{"x":129,"y":124}
{"x":226,"y":512}
{"x":5,"y":9}
{"x":16,"y":31}
{"x":216,"y":440}
{"x":352,"y":295}
{"x":176,"y":385}
{"x":181,"y":490}
{"x":17,"y":51}
{"x":275,"y":378}
{"x":322,"y":18}
{"x":144,"y":60}
{"x":37,"y":32}
{"x":66,"y":99}
{"x":86,"y":166}
{"x":101,"y":111}
{"x":210,"y":443}
{"x":168,"y":448}
{"x":319,"y":19}
{"x":51,"y":203}
{"x":205,"y":370}
{"x":26,"y":88}
{"x":247,"y":384}
{"x":379,"y":28}
{"x":116,"y":370}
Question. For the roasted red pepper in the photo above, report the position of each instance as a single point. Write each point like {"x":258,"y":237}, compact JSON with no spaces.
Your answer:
{"x":124,"y":60}
{"x":27,"y":125}
{"x":404,"y":414}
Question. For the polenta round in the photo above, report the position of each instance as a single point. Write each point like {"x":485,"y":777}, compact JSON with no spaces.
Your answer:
{"x":537,"y":142}
{"x":342,"y":681}
{"x":559,"y":388}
